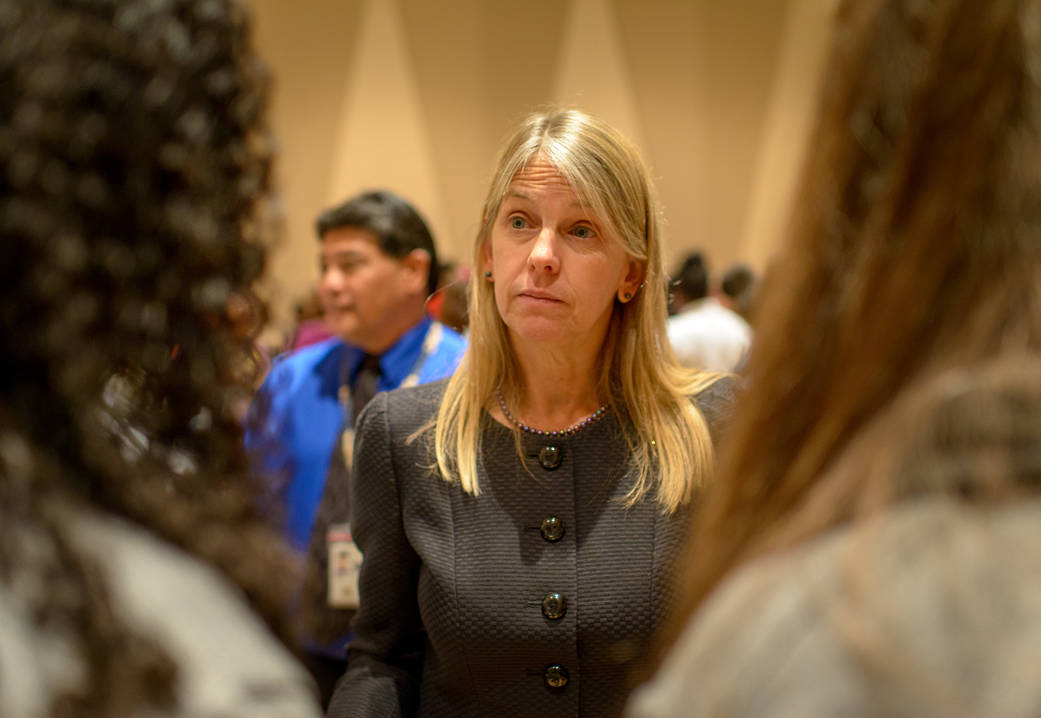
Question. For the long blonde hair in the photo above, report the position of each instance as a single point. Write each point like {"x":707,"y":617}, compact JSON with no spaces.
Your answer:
{"x":671,"y":448}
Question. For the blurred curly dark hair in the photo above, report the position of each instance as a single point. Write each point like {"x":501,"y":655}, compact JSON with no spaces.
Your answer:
{"x":134,"y":171}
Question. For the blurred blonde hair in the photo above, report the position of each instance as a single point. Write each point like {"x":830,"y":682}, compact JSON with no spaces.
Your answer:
{"x":670,"y":443}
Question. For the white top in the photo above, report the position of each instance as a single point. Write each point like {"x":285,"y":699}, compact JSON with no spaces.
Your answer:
{"x":932,"y":610}
{"x":229,"y":665}
{"x":709,"y":336}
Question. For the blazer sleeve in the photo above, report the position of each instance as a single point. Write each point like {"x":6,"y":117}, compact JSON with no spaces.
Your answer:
{"x":385,"y":660}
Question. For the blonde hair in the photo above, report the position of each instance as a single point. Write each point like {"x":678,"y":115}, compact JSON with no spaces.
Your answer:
{"x":670,"y":443}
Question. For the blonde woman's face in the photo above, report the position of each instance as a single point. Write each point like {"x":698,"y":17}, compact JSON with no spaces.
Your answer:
{"x":557,"y":270}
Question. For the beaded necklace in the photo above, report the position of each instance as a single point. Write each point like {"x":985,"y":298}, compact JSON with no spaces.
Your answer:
{"x":573,"y":429}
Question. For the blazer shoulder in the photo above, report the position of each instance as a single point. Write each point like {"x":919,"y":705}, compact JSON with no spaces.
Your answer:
{"x":421,"y":399}
{"x":406,"y":409}
{"x":716,"y":404}
{"x":719,"y":394}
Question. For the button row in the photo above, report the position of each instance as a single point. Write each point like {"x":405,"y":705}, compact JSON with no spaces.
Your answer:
{"x":552,"y":529}
{"x":554,"y":606}
{"x":549,"y":457}
{"x":556,"y":676}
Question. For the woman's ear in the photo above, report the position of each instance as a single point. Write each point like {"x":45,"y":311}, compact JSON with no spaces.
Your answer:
{"x":486,"y":259}
{"x":631,"y":281}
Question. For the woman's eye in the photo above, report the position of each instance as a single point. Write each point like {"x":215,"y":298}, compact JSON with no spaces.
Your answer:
{"x":517,"y":222}
{"x":583,"y":232}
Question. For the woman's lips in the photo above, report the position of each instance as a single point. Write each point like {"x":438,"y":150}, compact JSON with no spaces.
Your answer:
{"x":539,"y":297}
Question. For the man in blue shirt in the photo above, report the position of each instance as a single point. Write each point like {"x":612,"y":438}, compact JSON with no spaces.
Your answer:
{"x":378,"y":267}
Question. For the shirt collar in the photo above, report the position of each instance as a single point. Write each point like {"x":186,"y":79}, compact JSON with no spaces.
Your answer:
{"x":398,"y":361}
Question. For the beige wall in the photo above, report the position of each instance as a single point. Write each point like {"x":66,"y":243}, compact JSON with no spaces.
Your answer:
{"x":416,"y":95}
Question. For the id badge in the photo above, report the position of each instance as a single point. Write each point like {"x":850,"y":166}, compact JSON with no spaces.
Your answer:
{"x":344,"y":567}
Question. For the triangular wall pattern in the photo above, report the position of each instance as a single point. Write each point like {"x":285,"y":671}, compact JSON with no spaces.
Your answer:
{"x":480,"y":65}
{"x":384,"y":141}
{"x":790,"y":112}
{"x":594,"y":74}
{"x":417,"y":95}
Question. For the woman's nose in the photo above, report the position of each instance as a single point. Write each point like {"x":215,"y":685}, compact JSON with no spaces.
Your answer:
{"x":543,"y":256}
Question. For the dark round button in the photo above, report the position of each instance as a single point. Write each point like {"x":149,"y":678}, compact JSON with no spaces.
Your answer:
{"x":552,"y":529}
{"x":554,"y":606}
{"x":549,"y":457}
{"x":555,"y":676}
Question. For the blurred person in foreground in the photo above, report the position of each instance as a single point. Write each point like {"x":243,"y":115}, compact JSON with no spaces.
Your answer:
{"x":873,"y":544}
{"x":132,"y":552}
{"x":378,"y":267}
{"x":518,"y":521}
{"x":704,"y":333}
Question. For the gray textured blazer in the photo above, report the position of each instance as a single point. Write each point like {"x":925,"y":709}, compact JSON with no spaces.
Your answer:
{"x":535,"y":598}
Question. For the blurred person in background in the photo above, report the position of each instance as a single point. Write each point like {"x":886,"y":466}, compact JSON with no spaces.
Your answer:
{"x":449,"y":303}
{"x":518,"y":521}
{"x":378,"y":267}
{"x":738,"y":290}
{"x":310,"y":327}
{"x":873,"y":544}
{"x":136,"y":564}
{"x":704,"y":333}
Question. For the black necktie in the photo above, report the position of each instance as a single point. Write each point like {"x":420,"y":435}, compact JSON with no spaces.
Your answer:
{"x":337,"y":479}
{"x":325,"y":623}
{"x":365,"y":384}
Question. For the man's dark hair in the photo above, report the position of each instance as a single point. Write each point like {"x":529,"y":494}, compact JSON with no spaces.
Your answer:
{"x":397,"y":225}
{"x":692,"y":277}
{"x":737,"y":281}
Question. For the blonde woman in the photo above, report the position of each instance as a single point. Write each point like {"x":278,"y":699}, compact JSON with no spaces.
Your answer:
{"x":518,"y":520}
